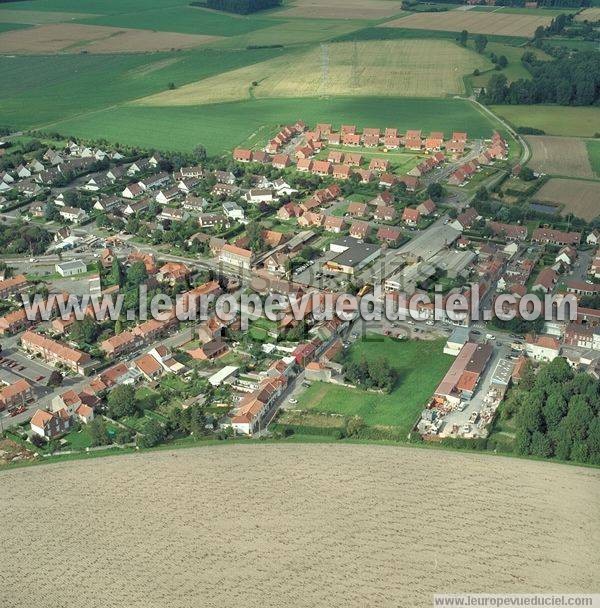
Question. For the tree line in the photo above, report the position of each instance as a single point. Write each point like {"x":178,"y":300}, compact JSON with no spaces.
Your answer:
{"x":567,"y":81}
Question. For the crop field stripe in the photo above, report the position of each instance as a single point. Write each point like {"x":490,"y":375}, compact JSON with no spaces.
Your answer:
{"x":593,"y":148}
{"x":567,"y":156}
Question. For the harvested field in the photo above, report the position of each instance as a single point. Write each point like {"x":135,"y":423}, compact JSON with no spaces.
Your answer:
{"x":559,"y":156}
{"x":499,"y":24}
{"x":589,"y":14}
{"x":71,"y":37}
{"x":579,"y":197}
{"x":38,"y":17}
{"x":401,"y":68}
{"x":346,"y":9}
{"x":298,"y":525}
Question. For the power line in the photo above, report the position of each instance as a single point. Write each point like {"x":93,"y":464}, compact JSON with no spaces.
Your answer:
{"x":324,"y":68}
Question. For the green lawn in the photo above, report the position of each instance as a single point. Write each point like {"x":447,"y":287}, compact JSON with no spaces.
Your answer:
{"x":593,"y":148}
{"x":553,"y":120}
{"x":221,"y":127}
{"x":420,"y":364}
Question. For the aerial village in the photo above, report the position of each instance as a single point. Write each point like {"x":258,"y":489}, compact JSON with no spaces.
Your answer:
{"x":317,"y":210}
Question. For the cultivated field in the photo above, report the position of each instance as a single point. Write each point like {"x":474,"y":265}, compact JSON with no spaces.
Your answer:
{"x":578,"y":197}
{"x":553,"y":120}
{"x":297,"y":525}
{"x":559,"y":156}
{"x":499,"y":24}
{"x":342,"y":9}
{"x":402,"y":68}
{"x":589,"y":14}
{"x":72,"y":37}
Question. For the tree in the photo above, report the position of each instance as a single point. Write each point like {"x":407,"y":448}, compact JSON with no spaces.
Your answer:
{"x":116,"y":273}
{"x":502,"y":61}
{"x":435,"y":191}
{"x":480,"y":42}
{"x":497,"y":89}
{"x":137,"y":274}
{"x":55,"y":379}
{"x":526,"y":174}
{"x":153,"y":433}
{"x":98,"y":432}
{"x":85,"y":331}
{"x":354,"y":426}
{"x":463,"y":38}
{"x":121,"y":401}
{"x":255,"y":238}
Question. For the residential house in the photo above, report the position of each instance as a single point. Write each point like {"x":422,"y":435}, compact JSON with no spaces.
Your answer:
{"x":132,"y":191}
{"x":426,"y":207}
{"x":236,"y":257}
{"x":410,"y":216}
{"x":18,"y":393}
{"x":542,"y":348}
{"x":54,"y":352}
{"x":360,"y":230}
{"x":385,"y":213}
{"x":334,"y":224}
{"x":555,"y":237}
{"x":49,"y":425}
{"x":390,"y":235}
{"x":379,"y":164}
{"x":357,"y":209}
{"x":13,"y":286}
{"x":233,"y":211}
{"x":118,"y":345}
{"x":173,"y":272}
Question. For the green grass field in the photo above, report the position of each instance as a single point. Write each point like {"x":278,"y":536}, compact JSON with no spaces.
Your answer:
{"x":183,"y":19}
{"x":421,"y":365}
{"x":99,"y":7}
{"x":36,"y":95}
{"x":221,"y":127}
{"x":593,"y":148}
{"x":553,"y":120}
{"x":7,"y":27}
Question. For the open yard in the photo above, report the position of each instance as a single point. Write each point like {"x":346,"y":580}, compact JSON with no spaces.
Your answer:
{"x":74,"y":37}
{"x":498,"y":24}
{"x":566,"y":156}
{"x":347,"y":525}
{"x":420,"y":365}
{"x":553,"y":120}
{"x":402,"y":68}
{"x":338,"y":9}
{"x":579,"y":197}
